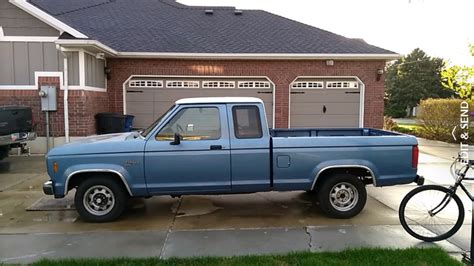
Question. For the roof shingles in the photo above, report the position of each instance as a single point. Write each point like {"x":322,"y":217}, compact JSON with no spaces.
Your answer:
{"x":166,"y":26}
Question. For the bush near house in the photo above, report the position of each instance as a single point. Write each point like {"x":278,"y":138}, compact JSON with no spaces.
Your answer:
{"x":438,"y":117}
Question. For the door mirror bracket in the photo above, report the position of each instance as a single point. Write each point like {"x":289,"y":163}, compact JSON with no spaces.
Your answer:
{"x":177,"y":139}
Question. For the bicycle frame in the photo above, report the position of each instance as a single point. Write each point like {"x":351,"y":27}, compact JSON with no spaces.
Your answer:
{"x":463,"y":177}
{"x":462,"y":174}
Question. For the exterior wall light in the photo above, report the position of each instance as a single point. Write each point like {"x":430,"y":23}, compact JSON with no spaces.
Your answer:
{"x":329,"y":62}
{"x":379,"y":74}
{"x":108,"y":72}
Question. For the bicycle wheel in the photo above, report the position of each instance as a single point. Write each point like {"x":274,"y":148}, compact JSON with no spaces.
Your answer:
{"x":447,"y":213}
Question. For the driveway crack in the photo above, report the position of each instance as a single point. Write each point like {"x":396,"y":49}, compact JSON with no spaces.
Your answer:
{"x":170,"y":228}
{"x":310,"y":245}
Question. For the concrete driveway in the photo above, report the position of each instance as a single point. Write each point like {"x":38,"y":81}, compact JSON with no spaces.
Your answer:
{"x":207,"y":225}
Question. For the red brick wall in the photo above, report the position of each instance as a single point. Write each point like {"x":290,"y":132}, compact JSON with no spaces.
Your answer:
{"x":282,"y":73}
{"x":83,"y":105}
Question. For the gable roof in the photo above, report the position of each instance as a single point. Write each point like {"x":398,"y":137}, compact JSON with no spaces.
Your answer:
{"x":165,"y":26}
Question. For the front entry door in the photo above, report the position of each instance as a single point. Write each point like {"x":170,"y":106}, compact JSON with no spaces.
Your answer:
{"x":200,"y":162}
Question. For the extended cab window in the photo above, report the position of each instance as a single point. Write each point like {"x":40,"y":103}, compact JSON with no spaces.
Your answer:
{"x":194,"y":123}
{"x":247,"y":124}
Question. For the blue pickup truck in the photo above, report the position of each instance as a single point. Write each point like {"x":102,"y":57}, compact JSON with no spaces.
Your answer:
{"x":223,"y":145}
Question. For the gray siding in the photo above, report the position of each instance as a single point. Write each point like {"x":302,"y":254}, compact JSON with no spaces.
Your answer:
{"x":94,"y":71}
{"x":16,"y":22}
{"x":20,"y":61}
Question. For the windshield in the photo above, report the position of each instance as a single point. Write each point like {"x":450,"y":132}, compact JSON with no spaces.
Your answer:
{"x":153,"y":125}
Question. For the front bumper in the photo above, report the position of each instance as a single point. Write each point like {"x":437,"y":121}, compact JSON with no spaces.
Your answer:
{"x":48,"y":188}
{"x":419,"y":180}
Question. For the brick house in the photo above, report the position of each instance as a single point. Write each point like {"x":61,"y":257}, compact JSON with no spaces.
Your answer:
{"x":138,"y":57}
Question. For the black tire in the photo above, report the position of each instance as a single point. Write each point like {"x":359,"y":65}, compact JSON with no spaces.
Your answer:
{"x":352,"y":193}
{"x":430,"y":232}
{"x":101,"y":187}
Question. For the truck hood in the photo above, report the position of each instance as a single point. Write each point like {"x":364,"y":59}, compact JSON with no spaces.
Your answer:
{"x":109,"y":143}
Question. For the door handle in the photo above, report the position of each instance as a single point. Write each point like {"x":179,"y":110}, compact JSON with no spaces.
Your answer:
{"x":324,"y":109}
{"x":216,"y":147}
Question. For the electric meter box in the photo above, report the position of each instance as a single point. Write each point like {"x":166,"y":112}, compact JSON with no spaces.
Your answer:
{"x":48,"y":98}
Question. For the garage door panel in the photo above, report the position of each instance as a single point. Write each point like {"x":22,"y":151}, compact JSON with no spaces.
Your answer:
{"x":147,"y":104}
{"x":143,"y":120}
{"x":299,"y":121}
{"x":140,"y":107}
{"x":140,"y":95}
{"x":172,"y":95}
{"x":331,"y":108}
{"x":322,"y":98}
{"x":342,"y":107}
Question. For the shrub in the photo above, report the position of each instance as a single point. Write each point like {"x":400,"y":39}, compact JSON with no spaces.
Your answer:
{"x":438,"y":117}
{"x":388,"y":123}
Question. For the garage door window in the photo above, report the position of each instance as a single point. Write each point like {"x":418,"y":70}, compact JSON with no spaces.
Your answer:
{"x":247,"y":123}
{"x":194,"y":123}
{"x":307,"y":85}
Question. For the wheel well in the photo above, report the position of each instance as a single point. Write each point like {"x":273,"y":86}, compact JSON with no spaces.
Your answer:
{"x":77,"y":179}
{"x":363,"y":174}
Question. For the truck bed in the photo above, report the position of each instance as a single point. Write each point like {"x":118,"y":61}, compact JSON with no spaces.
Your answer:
{"x":308,"y":151}
{"x":327,"y":132}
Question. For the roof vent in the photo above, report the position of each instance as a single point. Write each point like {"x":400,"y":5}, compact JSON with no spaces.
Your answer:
{"x":209,"y":11}
{"x":238,"y":12}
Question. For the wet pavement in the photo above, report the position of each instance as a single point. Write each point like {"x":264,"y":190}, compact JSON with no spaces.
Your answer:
{"x":272,"y":222}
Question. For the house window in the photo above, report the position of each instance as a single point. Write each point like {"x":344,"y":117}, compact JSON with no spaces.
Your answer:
{"x":254,"y":84}
{"x":146,"y":83}
{"x":218,"y":84}
{"x":307,"y":85}
{"x":342,"y":84}
{"x":182,"y":84}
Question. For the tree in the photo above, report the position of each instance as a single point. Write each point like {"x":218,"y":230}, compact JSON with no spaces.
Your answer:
{"x":410,"y":79}
{"x":459,"y":79}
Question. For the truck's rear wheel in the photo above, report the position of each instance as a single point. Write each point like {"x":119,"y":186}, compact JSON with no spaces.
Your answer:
{"x":342,"y":196}
{"x":100,"y":199}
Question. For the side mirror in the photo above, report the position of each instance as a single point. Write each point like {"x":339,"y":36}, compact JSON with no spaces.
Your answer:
{"x":177,"y":139}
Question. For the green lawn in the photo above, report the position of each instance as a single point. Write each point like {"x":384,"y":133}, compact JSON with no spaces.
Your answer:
{"x":366,"y":256}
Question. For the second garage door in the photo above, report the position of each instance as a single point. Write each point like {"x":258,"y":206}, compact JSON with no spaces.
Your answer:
{"x":147,"y":98}
{"x":330,"y":103}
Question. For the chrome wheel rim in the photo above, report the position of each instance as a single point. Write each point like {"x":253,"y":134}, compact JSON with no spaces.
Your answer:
{"x":99,"y":200}
{"x":343,"y":196}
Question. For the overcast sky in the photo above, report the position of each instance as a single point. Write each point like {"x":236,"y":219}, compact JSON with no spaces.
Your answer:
{"x":441,"y":28}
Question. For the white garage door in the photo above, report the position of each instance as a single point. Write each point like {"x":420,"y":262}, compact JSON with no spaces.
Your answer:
{"x":325,"y":103}
{"x":148,"y":98}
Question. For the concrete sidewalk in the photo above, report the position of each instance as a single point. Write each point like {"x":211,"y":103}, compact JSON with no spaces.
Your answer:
{"x":27,"y":248}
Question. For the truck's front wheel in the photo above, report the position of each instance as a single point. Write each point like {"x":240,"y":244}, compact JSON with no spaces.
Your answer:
{"x":100,"y":199}
{"x":342,"y":196}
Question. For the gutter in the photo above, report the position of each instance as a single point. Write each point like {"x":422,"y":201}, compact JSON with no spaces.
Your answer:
{"x":66,"y":94}
{"x":248,"y":56}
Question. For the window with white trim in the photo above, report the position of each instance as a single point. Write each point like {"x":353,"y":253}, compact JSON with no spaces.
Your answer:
{"x":342,"y":84}
{"x":146,"y":83}
{"x":253,"y":84}
{"x":182,"y":84}
{"x":307,"y":85}
{"x":218,"y":84}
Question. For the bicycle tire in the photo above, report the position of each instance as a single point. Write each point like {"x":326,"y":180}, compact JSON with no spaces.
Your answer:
{"x":410,"y":228}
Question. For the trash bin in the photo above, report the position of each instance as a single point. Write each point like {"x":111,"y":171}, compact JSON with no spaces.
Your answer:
{"x":110,"y":123}
{"x":128,"y":123}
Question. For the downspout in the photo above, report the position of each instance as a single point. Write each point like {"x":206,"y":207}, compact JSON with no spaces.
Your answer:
{"x":66,"y":96}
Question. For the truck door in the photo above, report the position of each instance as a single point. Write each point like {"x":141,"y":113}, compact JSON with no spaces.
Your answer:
{"x":250,"y":148}
{"x":200,"y":162}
